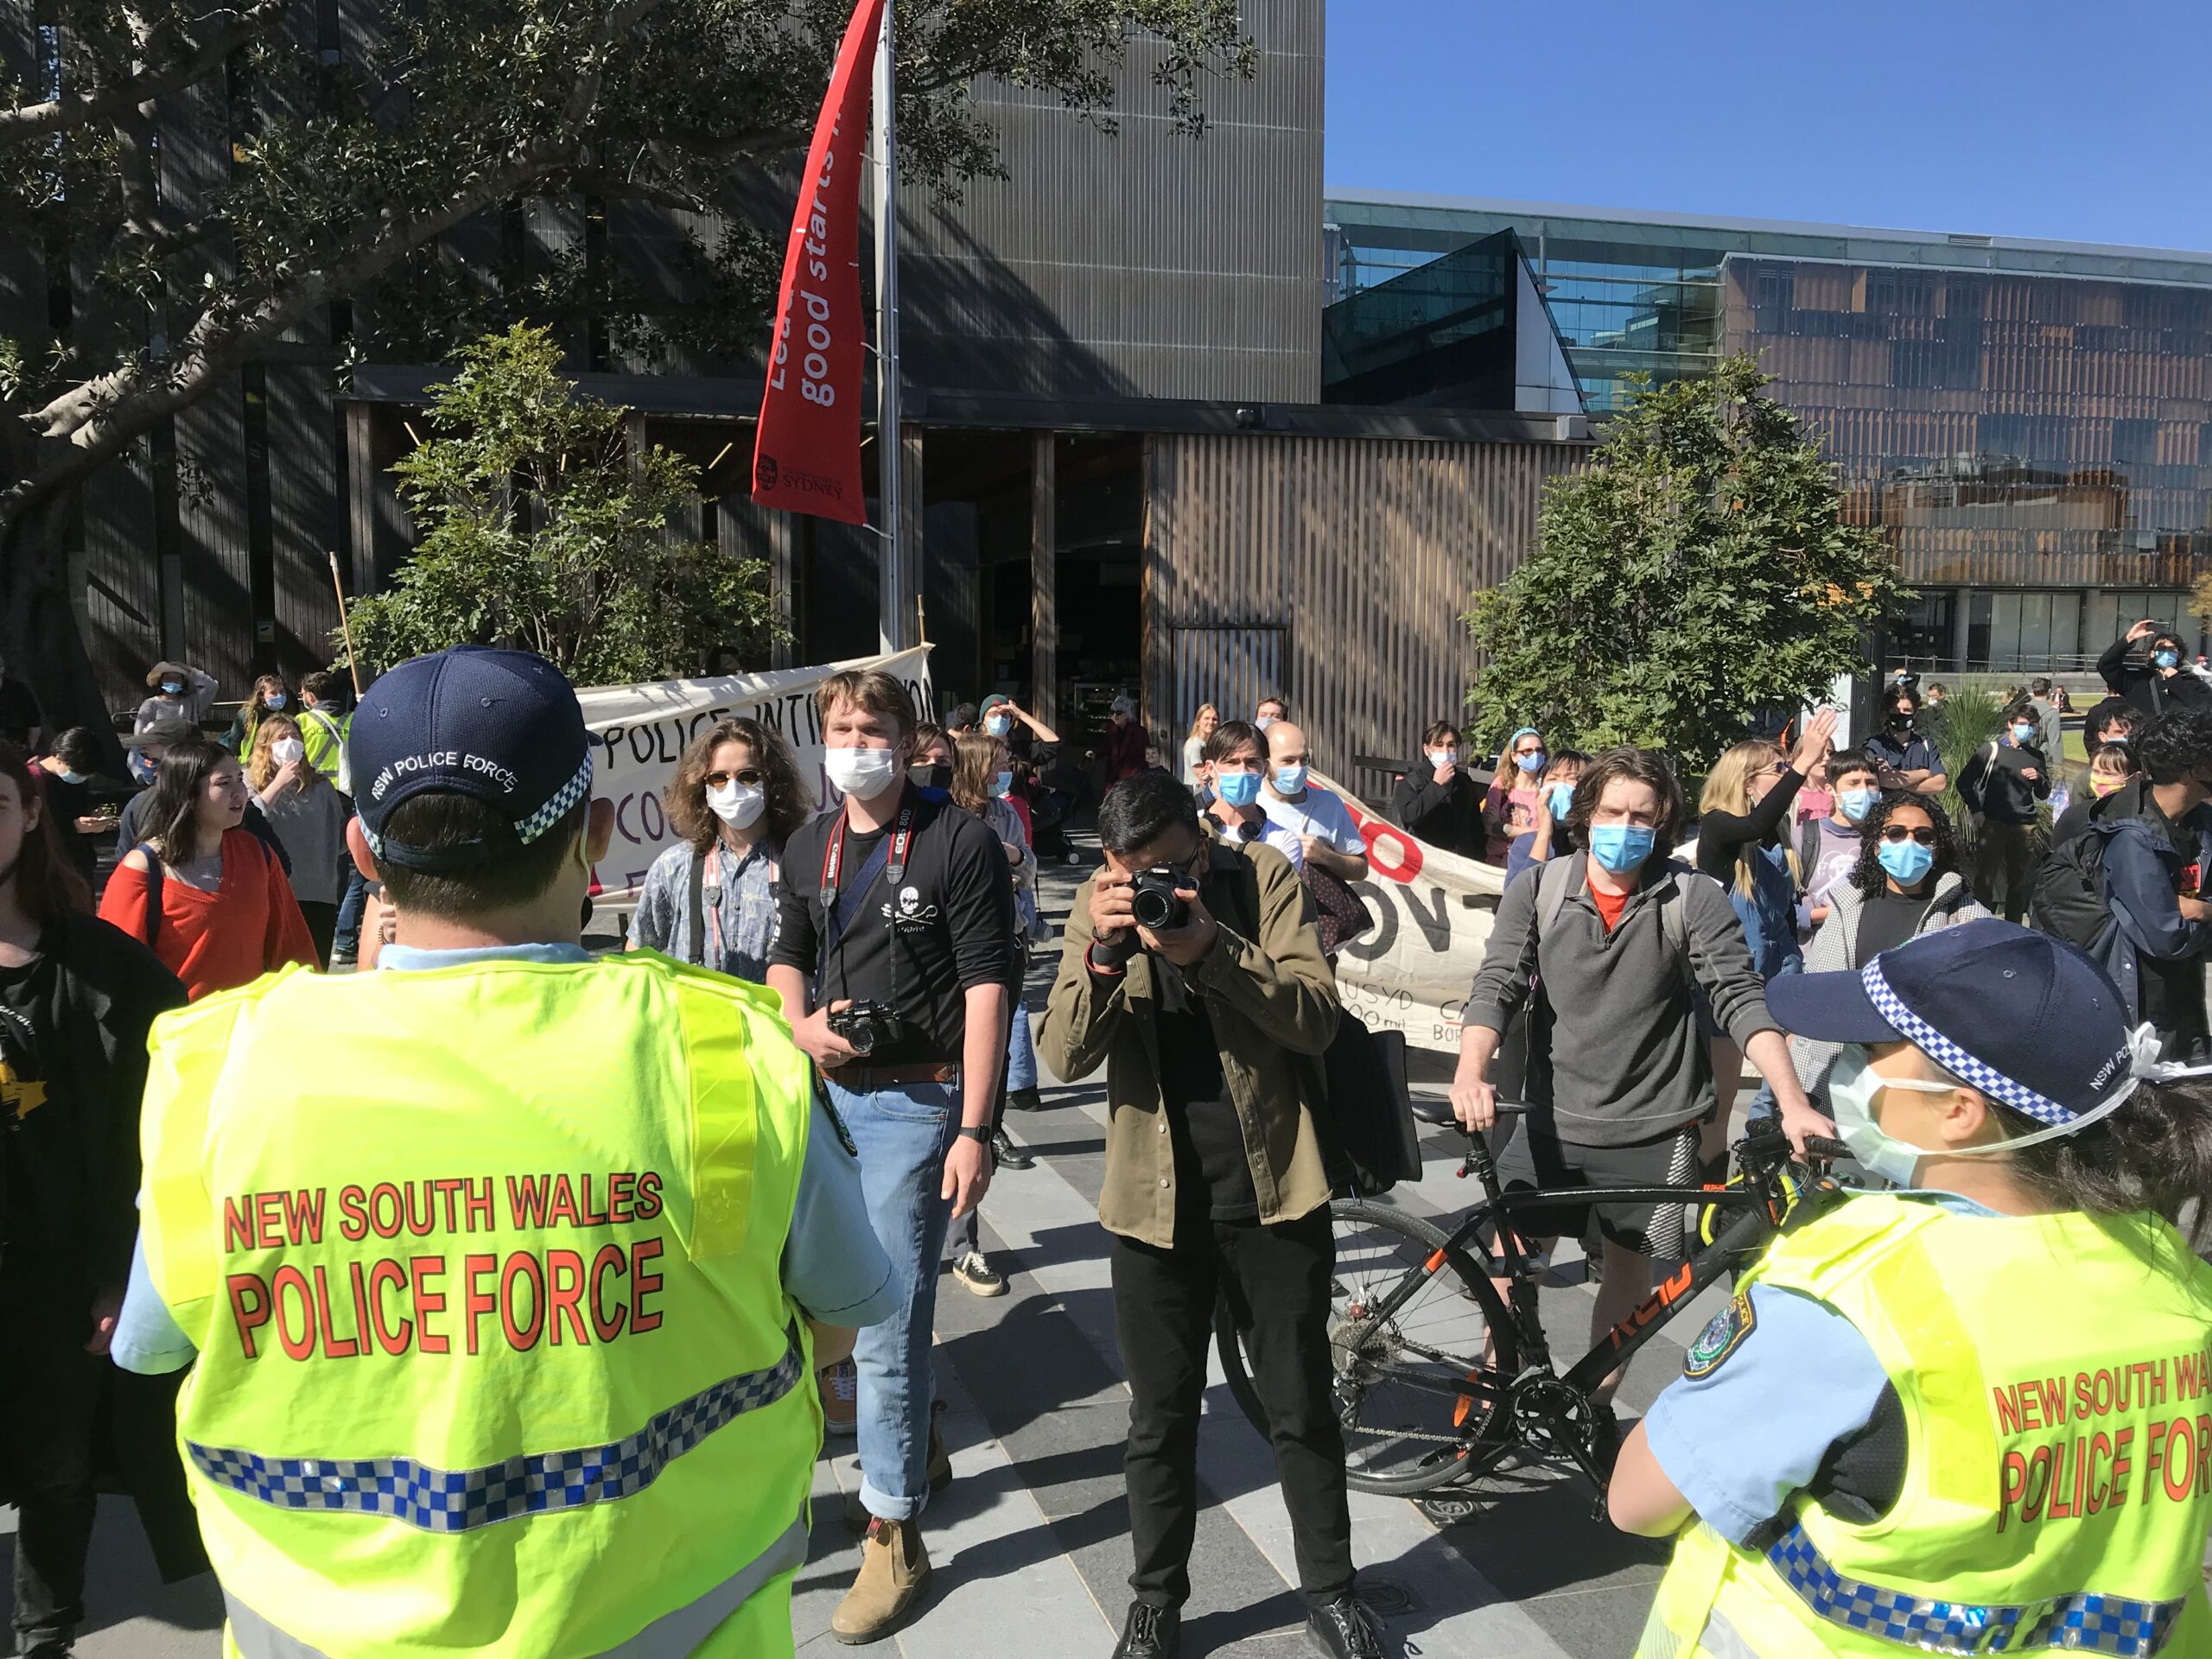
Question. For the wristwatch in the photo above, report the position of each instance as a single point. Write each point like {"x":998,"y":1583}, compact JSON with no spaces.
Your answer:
{"x":976,"y":1132}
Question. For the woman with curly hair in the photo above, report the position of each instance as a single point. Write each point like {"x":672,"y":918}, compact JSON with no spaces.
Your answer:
{"x":1907,"y":882}
{"x":735,"y":798}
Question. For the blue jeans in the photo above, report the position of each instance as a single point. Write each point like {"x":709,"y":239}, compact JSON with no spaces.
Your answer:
{"x":903,"y":1134}
{"x":1021,"y":1048}
{"x":351,"y":903}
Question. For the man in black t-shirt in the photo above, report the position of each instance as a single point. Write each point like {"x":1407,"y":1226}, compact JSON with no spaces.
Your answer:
{"x":896,"y":905}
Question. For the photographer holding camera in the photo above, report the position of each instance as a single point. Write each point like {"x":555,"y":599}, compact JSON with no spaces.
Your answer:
{"x":1192,"y":970}
{"x":895,"y":930}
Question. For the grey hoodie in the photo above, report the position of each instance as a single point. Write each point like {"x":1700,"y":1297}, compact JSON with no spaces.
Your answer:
{"x":1627,"y":1061}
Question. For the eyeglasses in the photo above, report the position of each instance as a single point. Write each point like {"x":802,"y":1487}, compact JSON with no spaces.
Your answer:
{"x":1898,"y":834}
{"x":749,"y":776}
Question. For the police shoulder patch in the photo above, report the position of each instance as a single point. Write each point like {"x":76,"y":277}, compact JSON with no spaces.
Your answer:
{"x":1722,"y":1336}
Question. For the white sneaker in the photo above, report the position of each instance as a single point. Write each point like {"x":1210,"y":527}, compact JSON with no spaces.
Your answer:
{"x":977,"y":1276}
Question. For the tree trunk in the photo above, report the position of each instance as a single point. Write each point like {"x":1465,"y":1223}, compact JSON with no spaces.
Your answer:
{"x":40,"y":642}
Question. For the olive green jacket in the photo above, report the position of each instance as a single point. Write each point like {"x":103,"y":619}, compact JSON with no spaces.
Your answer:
{"x":1272,"y":999}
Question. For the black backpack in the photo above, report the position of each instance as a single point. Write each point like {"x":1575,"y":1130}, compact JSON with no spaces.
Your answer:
{"x":2069,"y":902}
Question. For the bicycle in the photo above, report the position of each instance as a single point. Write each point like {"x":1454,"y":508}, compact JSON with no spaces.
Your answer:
{"x":1437,"y":1379}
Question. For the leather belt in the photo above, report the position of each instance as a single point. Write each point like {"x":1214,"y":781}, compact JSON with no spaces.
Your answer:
{"x":864,"y":1079}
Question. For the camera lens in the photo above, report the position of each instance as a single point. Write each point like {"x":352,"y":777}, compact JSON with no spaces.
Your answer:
{"x":1153,"y":908}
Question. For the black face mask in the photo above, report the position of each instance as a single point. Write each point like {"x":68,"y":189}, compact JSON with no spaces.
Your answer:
{"x":1901,"y":717}
{"x":930,"y":776}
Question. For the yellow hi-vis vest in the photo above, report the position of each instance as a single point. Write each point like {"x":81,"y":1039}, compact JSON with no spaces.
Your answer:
{"x":2056,"y":1375}
{"x":483,"y":1264}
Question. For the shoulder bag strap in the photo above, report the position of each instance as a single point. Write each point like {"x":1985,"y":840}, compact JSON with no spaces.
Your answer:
{"x":1554,"y":884}
{"x":155,"y":879}
{"x":695,"y":949}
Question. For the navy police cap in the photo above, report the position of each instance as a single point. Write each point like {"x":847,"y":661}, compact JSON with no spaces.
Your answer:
{"x":2026,"y":1018}
{"x":503,"y":726}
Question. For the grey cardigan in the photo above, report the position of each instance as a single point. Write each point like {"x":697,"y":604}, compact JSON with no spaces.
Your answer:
{"x":1835,"y":949}
{"x":1627,"y":1061}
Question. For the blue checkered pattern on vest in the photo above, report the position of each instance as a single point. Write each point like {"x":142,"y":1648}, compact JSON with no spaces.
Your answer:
{"x":1954,"y":1060}
{"x":2084,"y":1623}
{"x":459,"y":1500}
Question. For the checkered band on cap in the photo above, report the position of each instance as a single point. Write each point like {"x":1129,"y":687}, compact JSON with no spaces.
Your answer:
{"x":563,"y":802}
{"x":461,"y":1500}
{"x":1955,"y":1060}
{"x":2077,"y":1623}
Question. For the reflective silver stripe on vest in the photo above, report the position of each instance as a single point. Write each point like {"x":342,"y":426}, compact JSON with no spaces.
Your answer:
{"x":2085,"y":1622}
{"x":459,"y":1500}
{"x":672,"y":1636}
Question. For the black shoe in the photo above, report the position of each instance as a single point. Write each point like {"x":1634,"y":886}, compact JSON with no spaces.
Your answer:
{"x":1151,"y":1632}
{"x":1023,"y":1100}
{"x":1008,"y":1156}
{"x":1344,"y":1629}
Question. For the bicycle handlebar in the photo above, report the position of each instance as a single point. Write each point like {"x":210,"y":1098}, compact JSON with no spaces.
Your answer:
{"x":1819,"y":1146}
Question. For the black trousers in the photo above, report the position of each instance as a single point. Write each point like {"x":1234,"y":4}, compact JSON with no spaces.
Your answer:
{"x":1277,"y":1281}
{"x":49,"y":1394}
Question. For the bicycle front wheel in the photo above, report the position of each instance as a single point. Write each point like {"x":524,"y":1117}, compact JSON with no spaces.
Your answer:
{"x":1418,"y":1391}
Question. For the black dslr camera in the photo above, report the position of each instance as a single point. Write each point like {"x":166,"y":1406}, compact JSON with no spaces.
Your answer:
{"x":1153,"y":900}
{"x":866,"y":1026}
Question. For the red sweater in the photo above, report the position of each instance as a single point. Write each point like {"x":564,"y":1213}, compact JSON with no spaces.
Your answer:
{"x":216,"y":941}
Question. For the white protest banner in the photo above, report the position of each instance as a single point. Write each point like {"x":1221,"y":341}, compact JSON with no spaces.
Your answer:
{"x":639,"y":732}
{"x":1412,"y":971}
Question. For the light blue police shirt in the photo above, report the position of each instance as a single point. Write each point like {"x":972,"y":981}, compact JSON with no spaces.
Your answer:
{"x":1757,"y":1426}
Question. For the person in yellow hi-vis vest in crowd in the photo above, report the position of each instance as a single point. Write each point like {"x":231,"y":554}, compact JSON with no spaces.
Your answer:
{"x":503,"y":1271}
{"x":1973,"y":1415}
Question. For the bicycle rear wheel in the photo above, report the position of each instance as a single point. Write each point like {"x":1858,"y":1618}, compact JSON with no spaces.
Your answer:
{"x":1399,"y":1437}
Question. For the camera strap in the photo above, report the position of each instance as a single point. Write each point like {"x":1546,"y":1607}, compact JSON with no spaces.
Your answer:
{"x":840,"y":906}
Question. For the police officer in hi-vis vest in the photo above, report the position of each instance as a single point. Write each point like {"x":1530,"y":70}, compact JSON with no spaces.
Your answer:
{"x":1973,"y":1415}
{"x":504,"y":1271}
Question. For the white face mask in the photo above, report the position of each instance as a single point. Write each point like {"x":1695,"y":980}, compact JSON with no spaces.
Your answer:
{"x":865,"y":774}
{"x":286,"y":750}
{"x":736,"y":804}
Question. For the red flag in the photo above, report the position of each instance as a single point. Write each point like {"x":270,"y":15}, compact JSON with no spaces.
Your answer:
{"x":807,"y":455}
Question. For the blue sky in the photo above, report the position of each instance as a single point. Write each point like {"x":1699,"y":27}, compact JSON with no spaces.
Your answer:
{"x":2085,"y":121}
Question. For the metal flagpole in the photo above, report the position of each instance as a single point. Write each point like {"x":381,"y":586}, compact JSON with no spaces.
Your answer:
{"x":895,"y":584}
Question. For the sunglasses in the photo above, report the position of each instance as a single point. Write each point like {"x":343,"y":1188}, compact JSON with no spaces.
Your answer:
{"x":749,"y":776}
{"x":1898,"y":833}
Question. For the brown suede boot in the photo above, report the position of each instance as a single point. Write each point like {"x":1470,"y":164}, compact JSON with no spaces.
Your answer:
{"x":894,"y":1571}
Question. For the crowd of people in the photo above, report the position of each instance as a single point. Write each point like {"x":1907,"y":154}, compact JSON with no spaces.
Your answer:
{"x":813,"y":1039}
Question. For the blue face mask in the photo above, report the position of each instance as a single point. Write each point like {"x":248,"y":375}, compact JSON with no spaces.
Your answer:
{"x":1003,"y":784}
{"x":998,"y":725}
{"x":1289,"y":780}
{"x":2023,"y":733}
{"x":72,"y":777}
{"x":1622,"y":847}
{"x":1907,"y":862}
{"x":1530,"y":762}
{"x":2166,"y":659}
{"x":277,"y":700}
{"x":1856,"y":804}
{"x":1561,"y":797}
{"x":1237,"y":788}
{"x":172,"y":688}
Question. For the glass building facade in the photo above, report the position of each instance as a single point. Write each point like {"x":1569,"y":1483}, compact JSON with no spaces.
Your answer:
{"x":2031,"y":422}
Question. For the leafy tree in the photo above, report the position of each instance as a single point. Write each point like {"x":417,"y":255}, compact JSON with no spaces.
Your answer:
{"x":330,"y":219}
{"x":1696,"y":572}
{"x":539,"y":529}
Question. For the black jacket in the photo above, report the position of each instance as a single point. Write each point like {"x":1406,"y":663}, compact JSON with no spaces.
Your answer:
{"x":1449,"y":815}
{"x":1992,"y":784}
{"x":2134,"y":678}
